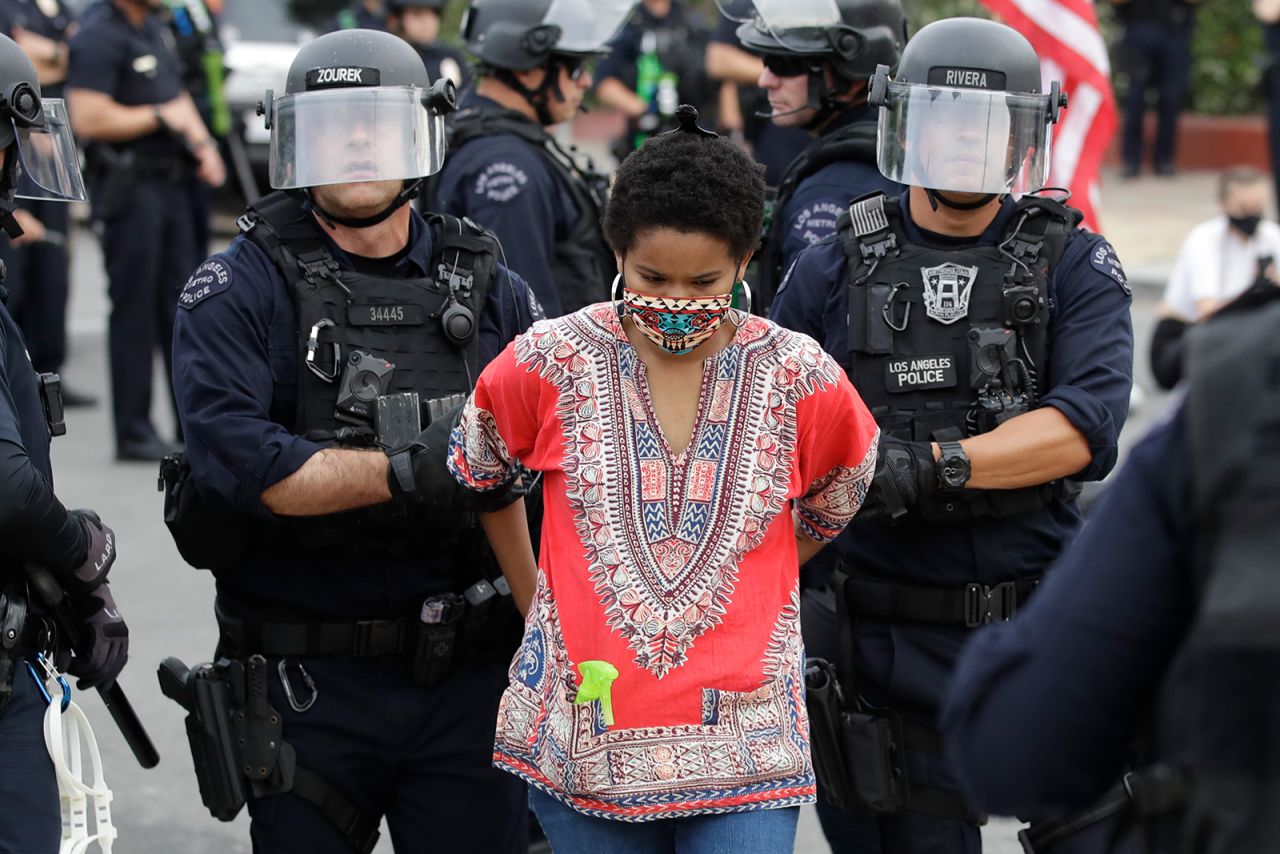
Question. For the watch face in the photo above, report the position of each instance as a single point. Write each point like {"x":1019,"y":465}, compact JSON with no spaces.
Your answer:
{"x":955,"y":471}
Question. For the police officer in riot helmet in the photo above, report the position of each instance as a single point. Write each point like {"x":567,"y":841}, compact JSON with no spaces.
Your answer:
{"x":1134,"y":706}
{"x":817,"y":68}
{"x":418,"y":23}
{"x":38,"y":161}
{"x":508,"y":173}
{"x":991,"y":338}
{"x":319,"y":360}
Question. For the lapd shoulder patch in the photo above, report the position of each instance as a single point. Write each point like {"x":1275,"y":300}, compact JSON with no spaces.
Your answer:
{"x":501,"y":182}
{"x":817,"y":221}
{"x":1103,"y":258}
{"x":211,"y":277}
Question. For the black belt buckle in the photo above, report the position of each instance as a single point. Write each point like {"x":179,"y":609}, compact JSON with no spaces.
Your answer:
{"x":378,"y":637}
{"x":989,"y":604}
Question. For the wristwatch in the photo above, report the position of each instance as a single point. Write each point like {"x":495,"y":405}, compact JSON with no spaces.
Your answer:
{"x":953,"y":466}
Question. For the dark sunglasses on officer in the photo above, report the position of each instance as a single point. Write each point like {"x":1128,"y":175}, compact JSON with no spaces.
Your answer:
{"x":787,"y":66}
{"x":576,"y":66}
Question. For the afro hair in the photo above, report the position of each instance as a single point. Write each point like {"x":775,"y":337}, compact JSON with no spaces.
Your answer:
{"x":687,"y":182}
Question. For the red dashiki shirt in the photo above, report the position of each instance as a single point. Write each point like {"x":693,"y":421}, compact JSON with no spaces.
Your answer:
{"x":681,"y":572}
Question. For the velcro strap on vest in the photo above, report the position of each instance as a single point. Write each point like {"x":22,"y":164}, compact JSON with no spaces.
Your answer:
{"x":356,"y":826}
{"x":972,"y":605}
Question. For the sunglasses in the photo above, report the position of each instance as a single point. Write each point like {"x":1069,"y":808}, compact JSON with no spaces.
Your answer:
{"x":787,"y":66}
{"x":576,"y":66}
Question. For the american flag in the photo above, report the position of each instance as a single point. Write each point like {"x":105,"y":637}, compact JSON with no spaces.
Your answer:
{"x":1065,"y":35}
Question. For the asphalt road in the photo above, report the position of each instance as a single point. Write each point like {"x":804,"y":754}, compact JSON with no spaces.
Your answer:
{"x":169,"y":606}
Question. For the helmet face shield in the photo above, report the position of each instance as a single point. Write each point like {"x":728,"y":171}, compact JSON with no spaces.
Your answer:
{"x":964,"y":140}
{"x":48,"y":165}
{"x":348,"y":135}
{"x":586,"y":26}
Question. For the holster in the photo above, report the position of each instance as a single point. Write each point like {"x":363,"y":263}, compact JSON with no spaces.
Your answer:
{"x":238,"y":749}
{"x":114,"y":175}
{"x":855,"y":747}
{"x":207,"y":537}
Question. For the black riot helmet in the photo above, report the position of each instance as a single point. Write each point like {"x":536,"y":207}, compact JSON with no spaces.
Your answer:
{"x":852,"y":36}
{"x":507,"y":36}
{"x":966,"y":111}
{"x":41,"y":160}
{"x":358,"y":106}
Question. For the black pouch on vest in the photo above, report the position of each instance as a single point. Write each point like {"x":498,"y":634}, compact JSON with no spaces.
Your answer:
{"x":206,"y":537}
{"x":855,"y":753}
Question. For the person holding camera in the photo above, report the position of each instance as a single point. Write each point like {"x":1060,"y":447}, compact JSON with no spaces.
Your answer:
{"x":318,"y":361}
{"x":990,"y":337}
{"x":37,"y":161}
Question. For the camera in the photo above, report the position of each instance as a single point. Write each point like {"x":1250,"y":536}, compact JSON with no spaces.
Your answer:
{"x":365,"y":378}
{"x":1022,"y":305}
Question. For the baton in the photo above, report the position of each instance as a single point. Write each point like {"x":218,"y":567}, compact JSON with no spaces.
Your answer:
{"x":135,"y":734}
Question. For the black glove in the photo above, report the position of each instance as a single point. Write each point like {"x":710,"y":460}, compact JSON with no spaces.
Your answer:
{"x":905,"y":473}
{"x":104,"y":639}
{"x":419,"y":477}
{"x":100,"y":552}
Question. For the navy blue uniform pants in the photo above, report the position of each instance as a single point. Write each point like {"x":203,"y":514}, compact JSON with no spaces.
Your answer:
{"x":148,"y":248}
{"x":30,"y":821}
{"x":38,"y":279}
{"x":908,"y":832}
{"x":420,"y":756}
{"x":1156,"y":56}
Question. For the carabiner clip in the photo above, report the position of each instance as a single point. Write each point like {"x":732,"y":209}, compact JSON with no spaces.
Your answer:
{"x":50,"y":676}
{"x":283,"y":669}
{"x":886,"y":310}
{"x":313,"y":344}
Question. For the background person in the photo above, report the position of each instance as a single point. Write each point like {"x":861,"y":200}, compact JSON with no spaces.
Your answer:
{"x":146,"y":141}
{"x":418,"y":23}
{"x":507,"y":172}
{"x":729,"y":445}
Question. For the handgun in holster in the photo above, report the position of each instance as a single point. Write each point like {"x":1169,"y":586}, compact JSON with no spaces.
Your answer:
{"x":234,"y":734}
{"x":857,"y":754}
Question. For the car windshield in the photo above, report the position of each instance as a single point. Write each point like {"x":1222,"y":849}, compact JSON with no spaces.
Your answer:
{"x":276,"y":20}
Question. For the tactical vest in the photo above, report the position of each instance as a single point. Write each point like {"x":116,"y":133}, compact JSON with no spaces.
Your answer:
{"x":583,"y":264}
{"x":346,"y":320}
{"x":855,"y":141}
{"x":950,"y":343}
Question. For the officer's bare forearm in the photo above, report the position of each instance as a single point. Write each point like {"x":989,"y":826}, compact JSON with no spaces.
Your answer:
{"x":508,"y":533}
{"x":332,"y":480}
{"x":611,"y":91}
{"x":97,"y":117}
{"x":726,"y":62}
{"x":1031,"y":449}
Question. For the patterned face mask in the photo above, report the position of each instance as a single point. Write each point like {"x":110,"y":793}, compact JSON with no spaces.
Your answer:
{"x":676,"y":324}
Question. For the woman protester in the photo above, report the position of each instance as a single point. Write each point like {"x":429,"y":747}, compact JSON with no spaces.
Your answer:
{"x":692,"y":456}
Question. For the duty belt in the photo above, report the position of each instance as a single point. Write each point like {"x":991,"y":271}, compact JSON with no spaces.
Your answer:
{"x":972,"y":605}
{"x":361,"y":638}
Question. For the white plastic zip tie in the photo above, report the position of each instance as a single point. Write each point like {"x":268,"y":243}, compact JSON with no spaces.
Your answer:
{"x":62,"y":735}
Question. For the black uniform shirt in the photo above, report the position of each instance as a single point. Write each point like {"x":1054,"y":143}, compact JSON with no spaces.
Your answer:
{"x":34,"y":526}
{"x":235,"y":341}
{"x":136,"y":66}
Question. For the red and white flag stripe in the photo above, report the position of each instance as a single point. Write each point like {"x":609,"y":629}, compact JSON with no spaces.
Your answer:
{"x":1065,"y":34}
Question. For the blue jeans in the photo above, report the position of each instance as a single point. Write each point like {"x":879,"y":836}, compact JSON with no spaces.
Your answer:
{"x":756,"y":832}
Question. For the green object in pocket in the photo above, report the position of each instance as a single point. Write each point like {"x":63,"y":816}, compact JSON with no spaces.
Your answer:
{"x":597,"y":683}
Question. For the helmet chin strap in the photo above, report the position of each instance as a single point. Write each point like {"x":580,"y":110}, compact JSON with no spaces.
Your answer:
{"x":402,"y":198}
{"x":537,"y":96}
{"x":936,"y":198}
{"x":8,"y":202}
{"x":821,"y":98}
